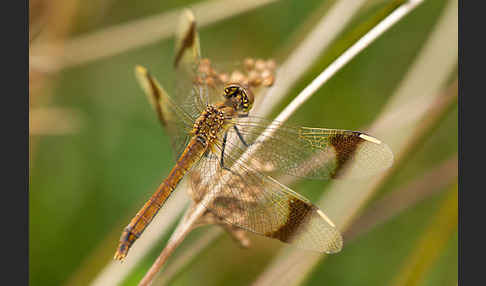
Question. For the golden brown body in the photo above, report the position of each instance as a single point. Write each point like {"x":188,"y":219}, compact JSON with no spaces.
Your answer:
{"x":206,"y":129}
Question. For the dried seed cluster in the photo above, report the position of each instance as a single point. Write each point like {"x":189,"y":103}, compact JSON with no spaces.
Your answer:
{"x":255,"y":73}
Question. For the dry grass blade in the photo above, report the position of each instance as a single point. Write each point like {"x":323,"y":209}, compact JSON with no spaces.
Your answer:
{"x":302,"y":58}
{"x":431,"y":183}
{"x":344,"y":208}
{"x":442,"y":227}
{"x":124,"y":37}
{"x":347,"y":56}
{"x":54,"y":121}
{"x":188,"y":222}
{"x":187,"y":255}
{"x":54,"y":19}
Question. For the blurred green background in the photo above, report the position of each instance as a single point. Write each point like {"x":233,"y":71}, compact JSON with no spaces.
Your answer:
{"x":87,"y":181}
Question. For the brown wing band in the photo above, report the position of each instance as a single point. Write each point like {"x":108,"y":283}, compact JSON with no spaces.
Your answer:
{"x":299,"y":215}
{"x":345,"y":146}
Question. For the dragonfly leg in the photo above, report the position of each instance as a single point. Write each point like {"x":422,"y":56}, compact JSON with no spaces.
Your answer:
{"x":240,"y":136}
{"x":221,"y":162}
{"x":206,"y":154}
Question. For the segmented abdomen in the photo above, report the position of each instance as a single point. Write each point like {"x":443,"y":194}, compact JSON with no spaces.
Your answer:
{"x":193,"y":152}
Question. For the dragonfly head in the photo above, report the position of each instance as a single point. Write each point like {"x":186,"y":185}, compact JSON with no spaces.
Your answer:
{"x":240,"y":98}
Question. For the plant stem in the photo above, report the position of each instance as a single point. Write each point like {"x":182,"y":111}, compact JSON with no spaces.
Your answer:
{"x":347,"y":56}
{"x":188,"y":223}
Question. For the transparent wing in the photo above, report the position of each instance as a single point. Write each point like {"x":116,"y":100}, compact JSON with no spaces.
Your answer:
{"x":317,"y":153}
{"x":177,"y":121}
{"x":190,"y":92}
{"x":250,"y":200}
{"x":200,"y":82}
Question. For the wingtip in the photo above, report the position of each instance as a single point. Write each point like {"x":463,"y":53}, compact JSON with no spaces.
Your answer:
{"x":335,"y":248}
{"x":386,"y":149}
{"x":188,"y":15}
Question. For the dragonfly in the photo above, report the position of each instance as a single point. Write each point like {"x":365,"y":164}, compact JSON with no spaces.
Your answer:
{"x":212,"y":132}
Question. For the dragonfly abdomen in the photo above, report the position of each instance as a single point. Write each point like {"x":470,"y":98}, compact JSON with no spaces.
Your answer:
{"x":193,"y":152}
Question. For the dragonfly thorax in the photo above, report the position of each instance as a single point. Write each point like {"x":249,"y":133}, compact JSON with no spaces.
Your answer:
{"x":209,"y":124}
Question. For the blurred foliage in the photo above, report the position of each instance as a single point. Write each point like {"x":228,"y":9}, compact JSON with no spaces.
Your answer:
{"x":85,"y":187}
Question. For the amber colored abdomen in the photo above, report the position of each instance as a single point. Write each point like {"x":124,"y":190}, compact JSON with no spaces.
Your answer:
{"x":193,"y":152}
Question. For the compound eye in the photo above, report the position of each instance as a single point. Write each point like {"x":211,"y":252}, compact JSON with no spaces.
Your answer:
{"x":230,"y":90}
{"x":227,"y":92}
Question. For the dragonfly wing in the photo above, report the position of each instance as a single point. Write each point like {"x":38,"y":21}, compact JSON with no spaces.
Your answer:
{"x":177,"y":112}
{"x":187,"y":48}
{"x":317,"y":153}
{"x":255,"y":202}
{"x":189,"y":91}
{"x":200,"y":82}
{"x":203,"y":80}
{"x":172,"y":116}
